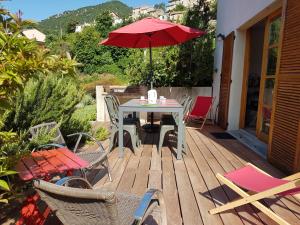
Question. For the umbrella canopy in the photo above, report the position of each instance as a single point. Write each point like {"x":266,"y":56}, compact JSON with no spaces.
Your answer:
{"x":151,"y":32}
{"x":148,"y":33}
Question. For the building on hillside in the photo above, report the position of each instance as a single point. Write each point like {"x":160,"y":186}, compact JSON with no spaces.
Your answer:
{"x":35,"y":34}
{"x":141,"y":11}
{"x":257,"y":77}
{"x":80,"y":27}
{"x":176,"y":16}
{"x":186,"y":3}
{"x":148,"y":11}
{"x":116,"y":18}
{"x":156,"y":13}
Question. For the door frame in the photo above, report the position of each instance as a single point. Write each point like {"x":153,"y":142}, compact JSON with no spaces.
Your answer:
{"x":224,"y":123}
{"x":245,"y":79}
{"x":270,"y":18}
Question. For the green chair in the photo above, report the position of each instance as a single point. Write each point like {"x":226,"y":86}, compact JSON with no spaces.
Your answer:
{"x":130,"y":119}
{"x":129,"y":125}
{"x":181,"y":100}
{"x":170,"y":124}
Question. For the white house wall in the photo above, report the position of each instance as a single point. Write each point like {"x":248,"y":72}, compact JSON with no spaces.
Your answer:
{"x":231,"y":15}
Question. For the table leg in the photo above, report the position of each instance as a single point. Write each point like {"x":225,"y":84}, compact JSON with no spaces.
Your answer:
{"x":180,"y":134}
{"x":121,"y":152}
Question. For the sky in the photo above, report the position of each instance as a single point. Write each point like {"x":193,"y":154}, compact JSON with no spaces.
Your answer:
{"x":42,"y":9}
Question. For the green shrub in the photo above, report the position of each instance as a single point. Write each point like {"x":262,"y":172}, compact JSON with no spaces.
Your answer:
{"x":43,"y":137}
{"x":87,"y":100}
{"x":85,"y":114}
{"x":49,"y":98}
{"x":101,"y":134}
{"x":89,"y":83}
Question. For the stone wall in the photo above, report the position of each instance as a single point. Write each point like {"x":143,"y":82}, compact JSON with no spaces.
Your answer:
{"x":167,"y":92}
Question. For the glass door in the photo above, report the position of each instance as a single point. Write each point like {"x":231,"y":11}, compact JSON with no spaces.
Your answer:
{"x":268,"y":77}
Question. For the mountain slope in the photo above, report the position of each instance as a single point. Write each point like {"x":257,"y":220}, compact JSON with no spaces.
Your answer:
{"x":85,"y":14}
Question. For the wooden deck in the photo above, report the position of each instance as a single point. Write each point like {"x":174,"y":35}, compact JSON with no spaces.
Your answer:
{"x":189,"y":185}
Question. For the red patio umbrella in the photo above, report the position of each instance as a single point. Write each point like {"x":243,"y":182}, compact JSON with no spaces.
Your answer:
{"x":151,"y":32}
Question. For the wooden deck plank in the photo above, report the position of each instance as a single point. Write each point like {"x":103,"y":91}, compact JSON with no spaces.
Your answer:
{"x":101,"y":176}
{"x":238,"y":163}
{"x":221,"y":165}
{"x":218,"y":195}
{"x":155,"y":173}
{"x":199,"y":187}
{"x":127,"y":179}
{"x":118,"y":170}
{"x":282,"y":206}
{"x":142,"y":173}
{"x":113,"y":160}
{"x":189,"y":186}
{"x":170,"y":188}
{"x":189,"y":207}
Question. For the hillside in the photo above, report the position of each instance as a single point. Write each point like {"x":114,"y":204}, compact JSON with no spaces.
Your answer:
{"x":85,"y":14}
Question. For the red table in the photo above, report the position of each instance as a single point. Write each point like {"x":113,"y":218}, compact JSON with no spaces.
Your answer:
{"x":43,"y":165}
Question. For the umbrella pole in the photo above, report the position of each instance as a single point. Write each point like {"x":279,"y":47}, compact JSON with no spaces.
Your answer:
{"x":151,"y":81}
{"x":151,"y":66}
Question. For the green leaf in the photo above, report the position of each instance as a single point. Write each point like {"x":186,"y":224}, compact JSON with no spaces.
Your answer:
{"x":4,"y":185}
{"x":7,"y":173}
{"x":3,"y":201}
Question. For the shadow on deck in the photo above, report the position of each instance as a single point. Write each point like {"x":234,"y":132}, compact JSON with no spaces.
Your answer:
{"x":190,"y":187}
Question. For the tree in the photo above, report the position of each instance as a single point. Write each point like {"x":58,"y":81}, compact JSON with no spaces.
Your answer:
{"x":164,"y":66}
{"x":104,"y":23}
{"x":71,"y":27}
{"x":90,"y":54}
{"x":161,"y":5}
{"x":196,"y":56}
{"x":179,"y":7}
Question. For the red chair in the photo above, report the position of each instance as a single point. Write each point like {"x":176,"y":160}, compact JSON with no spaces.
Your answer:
{"x":253,"y":184}
{"x":201,"y":109}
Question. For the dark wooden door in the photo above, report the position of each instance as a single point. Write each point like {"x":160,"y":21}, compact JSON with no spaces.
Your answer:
{"x":284,"y":145}
{"x":225,"y":81}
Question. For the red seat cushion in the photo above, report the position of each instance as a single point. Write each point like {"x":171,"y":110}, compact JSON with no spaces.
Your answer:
{"x":201,"y":107}
{"x":252,"y":179}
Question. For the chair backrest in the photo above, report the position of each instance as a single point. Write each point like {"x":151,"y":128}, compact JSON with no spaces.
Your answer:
{"x":202,"y":106}
{"x":79,"y":206}
{"x":186,"y":102}
{"x":116,"y":99}
{"x":112,"y":109}
{"x":48,"y":127}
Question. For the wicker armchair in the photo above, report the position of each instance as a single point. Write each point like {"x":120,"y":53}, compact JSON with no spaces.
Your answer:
{"x":88,"y":206}
{"x":94,"y":158}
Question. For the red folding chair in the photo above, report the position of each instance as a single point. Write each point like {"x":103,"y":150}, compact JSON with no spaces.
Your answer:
{"x":201,"y":109}
{"x":253,"y":184}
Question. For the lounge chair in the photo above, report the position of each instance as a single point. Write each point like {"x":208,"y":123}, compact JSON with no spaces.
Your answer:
{"x":201,"y":109}
{"x":89,"y":206}
{"x":263,"y":185}
{"x":93,"y":157}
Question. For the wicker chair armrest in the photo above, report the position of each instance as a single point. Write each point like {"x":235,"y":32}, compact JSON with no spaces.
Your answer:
{"x":80,"y":135}
{"x":97,"y":160}
{"x":149,"y":196}
{"x":47,"y":146}
{"x":65,"y":180}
